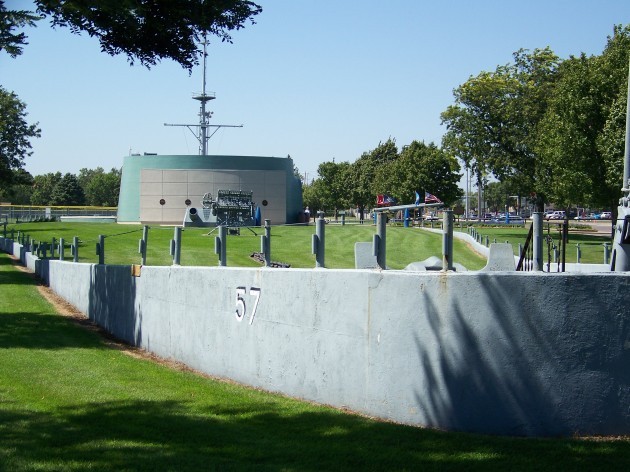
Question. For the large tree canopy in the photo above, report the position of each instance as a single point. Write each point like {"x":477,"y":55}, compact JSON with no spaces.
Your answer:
{"x":494,"y":122}
{"x":582,"y":135}
{"x":419,"y":167}
{"x":145,"y":30}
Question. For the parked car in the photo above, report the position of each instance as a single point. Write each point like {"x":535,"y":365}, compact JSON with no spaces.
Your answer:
{"x":605,"y":215}
{"x":513,"y":219}
{"x":557,"y":215}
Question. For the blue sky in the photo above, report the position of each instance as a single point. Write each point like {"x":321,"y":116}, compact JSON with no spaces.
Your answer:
{"x":316,"y":80}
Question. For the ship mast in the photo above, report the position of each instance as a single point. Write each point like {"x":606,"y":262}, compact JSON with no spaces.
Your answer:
{"x":204,"y":97}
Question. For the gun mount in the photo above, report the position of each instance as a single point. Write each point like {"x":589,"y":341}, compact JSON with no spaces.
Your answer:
{"x":231,"y":208}
{"x":234,"y":208}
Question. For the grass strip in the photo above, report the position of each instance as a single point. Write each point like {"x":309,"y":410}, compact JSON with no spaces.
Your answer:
{"x":591,"y":244}
{"x":70,"y":402}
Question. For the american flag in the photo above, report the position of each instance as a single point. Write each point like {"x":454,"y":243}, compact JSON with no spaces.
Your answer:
{"x":430,"y":198}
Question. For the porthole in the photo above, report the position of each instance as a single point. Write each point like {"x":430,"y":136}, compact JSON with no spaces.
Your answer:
{"x":265,"y":203}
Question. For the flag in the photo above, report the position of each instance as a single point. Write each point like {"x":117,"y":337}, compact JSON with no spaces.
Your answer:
{"x":417,"y":198}
{"x":384,"y":200}
{"x":429,"y":198}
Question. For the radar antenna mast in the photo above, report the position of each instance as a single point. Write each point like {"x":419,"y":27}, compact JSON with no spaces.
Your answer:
{"x":204,"y":116}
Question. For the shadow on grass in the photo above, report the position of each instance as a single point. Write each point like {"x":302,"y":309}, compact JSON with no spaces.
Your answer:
{"x":41,"y":331}
{"x":8,"y":276}
{"x":166,"y":435}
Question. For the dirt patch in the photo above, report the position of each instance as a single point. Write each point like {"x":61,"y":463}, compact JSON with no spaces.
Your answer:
{"x":473,"y":249}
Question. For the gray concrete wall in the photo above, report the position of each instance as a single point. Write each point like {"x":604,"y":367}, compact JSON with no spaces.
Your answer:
{"x":491,"y":352}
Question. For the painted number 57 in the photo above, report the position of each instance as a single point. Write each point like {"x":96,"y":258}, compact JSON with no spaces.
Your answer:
{"x":241,"y":306}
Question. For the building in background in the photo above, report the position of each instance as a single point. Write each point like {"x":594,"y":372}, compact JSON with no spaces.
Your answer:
{"x":158,"y":189}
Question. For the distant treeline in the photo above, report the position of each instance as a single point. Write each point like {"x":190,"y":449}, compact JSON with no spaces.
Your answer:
{"x":92,"y":187}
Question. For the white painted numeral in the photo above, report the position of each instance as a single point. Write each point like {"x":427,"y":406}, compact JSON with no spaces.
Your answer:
{"x":240,"y":303}
{"x":241,"y":307}
{"x":255,"y":291}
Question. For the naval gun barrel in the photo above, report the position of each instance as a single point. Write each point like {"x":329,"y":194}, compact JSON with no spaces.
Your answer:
{"x":194,"y":214}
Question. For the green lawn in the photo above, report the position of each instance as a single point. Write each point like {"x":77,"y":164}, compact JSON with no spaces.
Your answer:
{"x":292,"y":244}
{"x":289,"y":244}
{"x":591,"y":245}
{"x":69,"y":401}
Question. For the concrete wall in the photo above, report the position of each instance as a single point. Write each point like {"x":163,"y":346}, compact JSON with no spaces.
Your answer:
{"x":490,"y":352}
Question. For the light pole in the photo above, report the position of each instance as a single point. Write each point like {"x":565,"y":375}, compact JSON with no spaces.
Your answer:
{"x":467,"y":193}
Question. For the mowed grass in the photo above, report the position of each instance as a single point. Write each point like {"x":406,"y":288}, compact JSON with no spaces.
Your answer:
{"x":289,"y":244}
{"x":591,"y":244}
{"x":71,"y":402}
{"x":292,"y":244}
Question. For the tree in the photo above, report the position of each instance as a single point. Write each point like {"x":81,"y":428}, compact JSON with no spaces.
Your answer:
{"x":147,"y":31}
{"x":582,"y":134}
{"x":568,"y":133}
{"x":9,"y":21}
{"x":43,"y":186}
{"x":498,"y":195}
{"x":421,"y":167}
{"x":494,"y":122}
{"x":363,"y":171}
{"x":86,"y":175}
{"x":614,"y":71}
{"x":15,"y":135}
{"x":19,"y":192}
{"x":334,"y":184}
{"x":67,"y":191}
{"x":99,"y":187}
{"x":103,"y":188}
{"x":611,"y":146}
{"x":313,"y":196}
